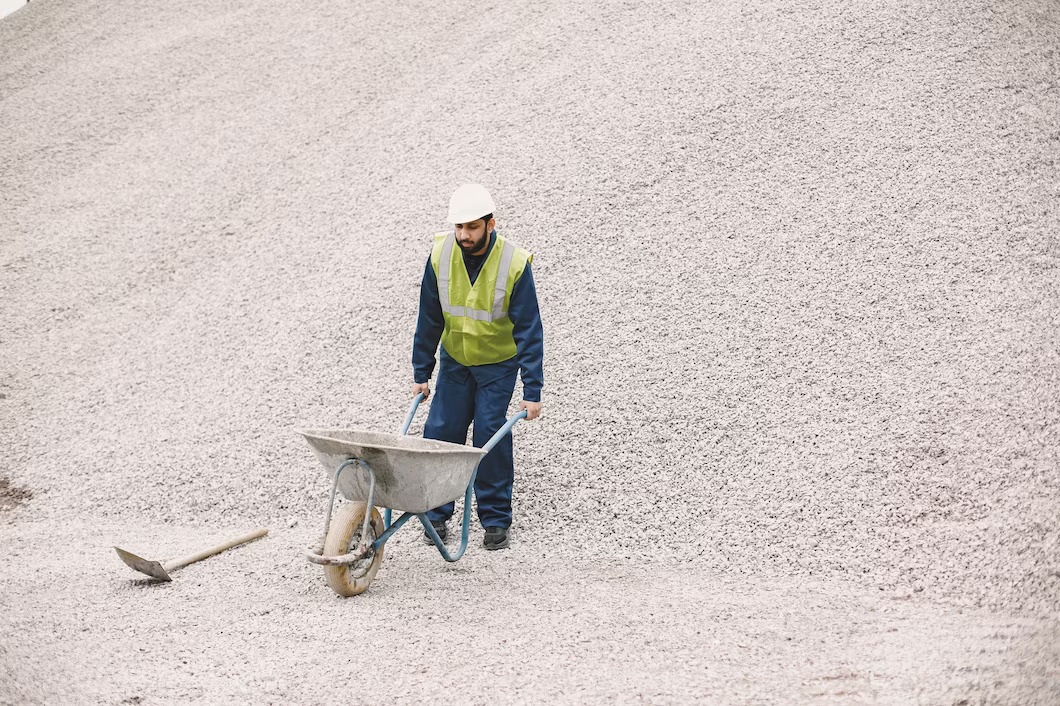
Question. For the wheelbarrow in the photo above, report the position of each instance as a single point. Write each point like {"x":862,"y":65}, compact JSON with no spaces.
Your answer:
{"x":395,"y":472}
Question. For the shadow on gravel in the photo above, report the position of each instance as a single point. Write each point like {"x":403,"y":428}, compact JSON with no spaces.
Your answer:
{"x":146,"y":583}
{"x":11,"y":496}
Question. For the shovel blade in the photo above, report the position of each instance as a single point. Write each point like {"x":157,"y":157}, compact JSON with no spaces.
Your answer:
{"x":145,"y":566}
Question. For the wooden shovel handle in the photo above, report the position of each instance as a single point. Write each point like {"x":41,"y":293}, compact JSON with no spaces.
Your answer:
{"x":192,"y":558}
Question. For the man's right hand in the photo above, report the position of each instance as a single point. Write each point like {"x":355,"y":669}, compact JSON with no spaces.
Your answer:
{"x":424,"y":387}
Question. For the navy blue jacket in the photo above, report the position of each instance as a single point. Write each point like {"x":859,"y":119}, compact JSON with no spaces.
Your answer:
{"x":522,"y":310}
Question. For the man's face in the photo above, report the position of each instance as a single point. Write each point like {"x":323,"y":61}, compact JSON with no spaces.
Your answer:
{"x":473,"y":237}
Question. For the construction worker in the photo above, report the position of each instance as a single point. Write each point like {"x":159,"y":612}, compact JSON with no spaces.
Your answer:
{"x":478,"y":299}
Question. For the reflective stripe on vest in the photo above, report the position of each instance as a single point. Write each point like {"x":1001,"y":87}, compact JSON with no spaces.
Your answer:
{"x":498,"y":311}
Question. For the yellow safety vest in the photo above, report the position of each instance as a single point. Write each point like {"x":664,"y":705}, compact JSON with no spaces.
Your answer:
{"x":477,"y":328}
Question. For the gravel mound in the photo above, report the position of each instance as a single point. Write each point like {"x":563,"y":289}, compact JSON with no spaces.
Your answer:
{"x":798,"y":269}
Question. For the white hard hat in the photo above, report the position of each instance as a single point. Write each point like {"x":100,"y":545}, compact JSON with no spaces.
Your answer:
{"x":470,"y":202}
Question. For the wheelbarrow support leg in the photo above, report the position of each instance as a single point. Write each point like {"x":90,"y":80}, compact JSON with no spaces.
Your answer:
{"x":466,"y":526}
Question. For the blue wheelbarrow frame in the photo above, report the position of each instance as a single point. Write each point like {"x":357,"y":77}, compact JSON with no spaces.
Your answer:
{"x":364,"y":549}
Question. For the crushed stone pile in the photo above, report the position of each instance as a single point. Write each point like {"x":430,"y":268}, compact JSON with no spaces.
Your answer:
{"x":797,"y":262}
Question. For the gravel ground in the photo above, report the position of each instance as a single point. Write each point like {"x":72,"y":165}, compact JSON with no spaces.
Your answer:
{"x":798,"y":268}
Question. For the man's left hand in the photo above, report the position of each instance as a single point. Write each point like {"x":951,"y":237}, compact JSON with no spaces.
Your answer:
{"x":533,"y":409}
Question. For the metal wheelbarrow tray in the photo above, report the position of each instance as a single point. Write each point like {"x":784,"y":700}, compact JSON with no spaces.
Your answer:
{"x":393,"y":471}
{"x":411,"y":474}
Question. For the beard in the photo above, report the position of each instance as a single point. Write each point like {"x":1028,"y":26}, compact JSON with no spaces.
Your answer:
{"x":475,"y":246}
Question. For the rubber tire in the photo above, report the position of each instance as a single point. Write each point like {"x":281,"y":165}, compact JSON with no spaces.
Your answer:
{"x":345,"y":526}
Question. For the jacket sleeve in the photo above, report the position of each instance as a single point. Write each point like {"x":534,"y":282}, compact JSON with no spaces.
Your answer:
{"x":529,"y":337}
{"x":429,"y":327}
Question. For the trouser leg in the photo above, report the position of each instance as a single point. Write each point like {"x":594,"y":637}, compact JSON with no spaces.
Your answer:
{"x":452,"y":409}
{"x":496,"y":471}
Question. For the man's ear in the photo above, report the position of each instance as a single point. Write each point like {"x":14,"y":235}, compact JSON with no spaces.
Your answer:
{"x":491,"y":225}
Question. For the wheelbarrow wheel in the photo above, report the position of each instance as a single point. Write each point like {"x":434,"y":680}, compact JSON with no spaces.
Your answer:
{"x":343,"y":537}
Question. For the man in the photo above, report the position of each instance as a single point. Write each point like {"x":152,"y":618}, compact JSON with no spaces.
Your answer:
{"x":479,"y":301}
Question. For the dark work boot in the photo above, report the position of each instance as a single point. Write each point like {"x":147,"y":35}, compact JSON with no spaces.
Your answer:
{"x":439,"y":527}
{"x":496,"y":538}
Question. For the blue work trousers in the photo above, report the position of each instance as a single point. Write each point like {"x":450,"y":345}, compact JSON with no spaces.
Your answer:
{"x":480,"y":394}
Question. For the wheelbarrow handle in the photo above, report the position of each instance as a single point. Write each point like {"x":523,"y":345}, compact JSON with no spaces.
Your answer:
{"x":412,"y":413}
{"x":489,"y":444}
{"x":495,"y":439}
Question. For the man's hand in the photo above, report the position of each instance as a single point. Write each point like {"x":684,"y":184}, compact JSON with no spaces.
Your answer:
{"x":533,"y":409}
{"x":424,"y":387}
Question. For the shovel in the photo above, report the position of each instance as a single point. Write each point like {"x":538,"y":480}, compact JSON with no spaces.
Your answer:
{"x":160,"y":571}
